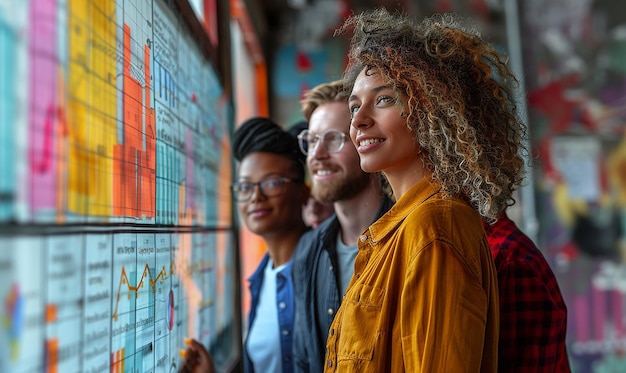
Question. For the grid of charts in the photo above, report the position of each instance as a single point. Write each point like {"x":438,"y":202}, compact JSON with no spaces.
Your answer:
{"x":116,"y":234}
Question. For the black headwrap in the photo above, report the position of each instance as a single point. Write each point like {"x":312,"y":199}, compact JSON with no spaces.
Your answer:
{"x":263,"y":135}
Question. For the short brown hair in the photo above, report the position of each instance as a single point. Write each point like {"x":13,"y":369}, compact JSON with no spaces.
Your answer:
{"x":321,"y":94}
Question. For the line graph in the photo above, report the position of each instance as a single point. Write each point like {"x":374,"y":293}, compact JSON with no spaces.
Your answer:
{"x":163,"y":275}
{"x":100,"y":189}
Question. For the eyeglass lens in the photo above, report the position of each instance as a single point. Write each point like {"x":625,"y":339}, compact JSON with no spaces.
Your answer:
{"x":269,"y":187}
{"x":333,"y":140}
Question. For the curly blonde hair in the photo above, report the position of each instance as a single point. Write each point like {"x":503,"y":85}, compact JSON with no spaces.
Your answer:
{"x":459,"y":105}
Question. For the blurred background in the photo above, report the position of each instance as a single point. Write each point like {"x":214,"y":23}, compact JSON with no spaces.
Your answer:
{"x":571,"y":59}
{"x":182,"y":75}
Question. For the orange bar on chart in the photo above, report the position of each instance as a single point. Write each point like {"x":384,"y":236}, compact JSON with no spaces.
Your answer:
{"x":52,"y":356}
{"x":117,"y":365}
{"x":51,"y":313}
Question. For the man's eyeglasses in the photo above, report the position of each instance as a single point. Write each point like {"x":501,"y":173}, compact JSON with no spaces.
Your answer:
{"x":333,"y":141}
{"x":270,"y":187}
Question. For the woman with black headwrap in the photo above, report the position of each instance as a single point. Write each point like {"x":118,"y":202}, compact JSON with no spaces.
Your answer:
{"x":270,"y":193}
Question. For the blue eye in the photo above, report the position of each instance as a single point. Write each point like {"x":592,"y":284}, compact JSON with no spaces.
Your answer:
{"x":385,"y":100}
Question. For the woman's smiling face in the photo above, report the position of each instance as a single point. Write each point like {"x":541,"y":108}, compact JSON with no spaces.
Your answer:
{"x":378,"y":129}
{"x":272,"y":215}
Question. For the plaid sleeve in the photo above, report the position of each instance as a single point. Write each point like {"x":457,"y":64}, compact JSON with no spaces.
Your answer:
{"x":533,"y":322}
{"x":533,"y":316}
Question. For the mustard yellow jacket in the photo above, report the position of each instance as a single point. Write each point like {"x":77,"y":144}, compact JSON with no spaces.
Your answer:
{"x":424,"y":294}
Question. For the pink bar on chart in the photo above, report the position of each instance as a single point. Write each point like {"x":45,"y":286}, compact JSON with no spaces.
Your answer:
{"x":617,"y":302}
{"x":43,"y":103}
{"x":581,"y":318}
{"x":599,"y":313}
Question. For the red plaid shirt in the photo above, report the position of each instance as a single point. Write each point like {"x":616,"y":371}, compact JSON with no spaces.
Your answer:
{"x":533,"y":316}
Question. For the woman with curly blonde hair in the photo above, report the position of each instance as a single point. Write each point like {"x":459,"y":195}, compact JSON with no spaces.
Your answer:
{"x":431,"y":110}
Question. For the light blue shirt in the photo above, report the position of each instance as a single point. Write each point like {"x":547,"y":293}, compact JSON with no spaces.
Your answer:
{"x":270,"y":338}
{"x":346,"y":256}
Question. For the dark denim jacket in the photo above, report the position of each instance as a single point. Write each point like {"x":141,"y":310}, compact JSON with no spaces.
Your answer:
{"x":318,"y":296}
{"x":284,"y":293}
